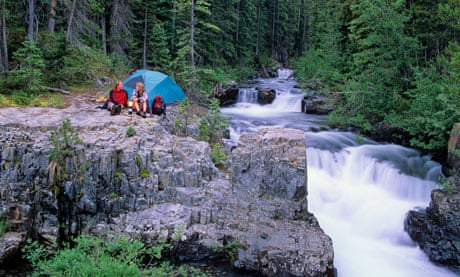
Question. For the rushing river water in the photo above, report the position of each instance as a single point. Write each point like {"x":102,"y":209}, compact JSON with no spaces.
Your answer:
{"x":359,"y":190}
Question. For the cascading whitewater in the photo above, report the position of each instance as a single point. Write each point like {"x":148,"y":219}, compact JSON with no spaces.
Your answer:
{"x":359,"y":190}
{"x":361,"y":202}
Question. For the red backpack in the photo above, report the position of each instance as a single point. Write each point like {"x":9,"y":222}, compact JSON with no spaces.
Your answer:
{"x":158,"y":102}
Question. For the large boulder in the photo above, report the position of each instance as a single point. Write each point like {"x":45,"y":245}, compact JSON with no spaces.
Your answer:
{"x":227,"y":93}
{"x":437,"y":228}
{"x":265,"y":95}
{"x":318,"y":104}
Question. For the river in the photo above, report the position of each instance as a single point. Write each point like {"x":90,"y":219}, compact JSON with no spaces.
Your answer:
{"x":359,"y":190}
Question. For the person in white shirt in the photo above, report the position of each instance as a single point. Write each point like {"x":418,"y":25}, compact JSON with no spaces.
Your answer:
{"x":140,"y":99}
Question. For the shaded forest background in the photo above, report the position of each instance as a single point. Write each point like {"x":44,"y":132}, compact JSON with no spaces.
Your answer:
{"x":395,"y":64}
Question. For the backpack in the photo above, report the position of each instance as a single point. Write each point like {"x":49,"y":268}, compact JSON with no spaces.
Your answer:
{"x":158,"y":102}
{"x":158,"y":106}
{"x":116,"y":110}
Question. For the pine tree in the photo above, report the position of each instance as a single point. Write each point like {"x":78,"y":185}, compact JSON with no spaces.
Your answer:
{"x":192,"y":28}
{"x":28,"y":77}
{"x":384,"y":53}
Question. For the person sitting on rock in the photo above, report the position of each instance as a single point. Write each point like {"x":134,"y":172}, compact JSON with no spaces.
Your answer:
{"x":140,"y":99}
{"x":118,"y":98}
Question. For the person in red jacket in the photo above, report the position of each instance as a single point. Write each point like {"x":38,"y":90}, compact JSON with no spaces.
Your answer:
{"x":118,"y":98}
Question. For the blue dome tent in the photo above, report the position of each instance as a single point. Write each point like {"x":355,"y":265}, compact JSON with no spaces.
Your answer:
{"x":156,"y":83}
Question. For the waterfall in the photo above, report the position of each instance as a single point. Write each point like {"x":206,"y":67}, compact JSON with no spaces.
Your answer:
{"x":247,"y":95}
{"x":287,"y":99}
{"x":285,"y":73}
{"x":361,"y":202}
{"x":359,"y":190}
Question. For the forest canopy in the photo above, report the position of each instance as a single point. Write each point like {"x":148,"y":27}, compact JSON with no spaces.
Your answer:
{"x":395,"y":63}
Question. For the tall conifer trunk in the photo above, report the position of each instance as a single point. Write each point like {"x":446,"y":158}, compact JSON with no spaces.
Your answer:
{"x":144,"y":51}
{"x":70,"y":22}
{"x":52,"y":16}
{"x":192,"y":44}
{"x":30,"y":19}
{"x":4,"y":37}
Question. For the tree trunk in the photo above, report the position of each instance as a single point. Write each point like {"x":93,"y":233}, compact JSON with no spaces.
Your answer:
{"x":30,"y":19}
{"x":192,"y":33}
{"x":237,"y":43}
{"x":104,"y":34}
{"x":70,"y":22}
{"x":4,"y":46}
{"x":192,"y":43}
{"x":144,"y":51}
{"x":173,"y":38}
{"x":304,"y":31}
{"x":273,"y":33}
{"x":59,"y":90}
{"x":259,"y":15}
{"x":52,"y":16}
{"x":115,"y":25}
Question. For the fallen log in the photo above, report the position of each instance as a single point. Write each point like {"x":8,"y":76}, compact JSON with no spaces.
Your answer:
{"x":59,"y":90}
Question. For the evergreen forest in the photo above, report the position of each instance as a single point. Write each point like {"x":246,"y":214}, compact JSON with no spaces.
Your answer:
{"x":392,"y":65}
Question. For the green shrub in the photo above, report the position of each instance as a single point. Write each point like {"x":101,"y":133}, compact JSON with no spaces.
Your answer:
{"x":184,"y":119}
{"x":231,"y":250}
{"x":56,"y":101}
{"x":218,"y":155}
{"x":446,"y":186}
{"x":94,"y":256}
{"x":130,"y":131}
{"x":118,"y":175}
{"x":91,"y":256}
{"x":21,"y":98}
{"x":64,"y":141}
{"x":213,"y":124}
{"x":139,"y":161}
{"x":3,"y":224}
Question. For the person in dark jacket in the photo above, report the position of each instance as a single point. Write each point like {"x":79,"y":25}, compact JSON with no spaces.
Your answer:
{"x":118,"y":98}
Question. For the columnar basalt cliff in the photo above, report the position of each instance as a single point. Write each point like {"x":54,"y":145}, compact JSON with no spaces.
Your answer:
{"x":151,"y":184}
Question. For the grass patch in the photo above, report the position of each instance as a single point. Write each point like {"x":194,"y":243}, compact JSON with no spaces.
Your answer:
{"x":54,"y":100}
{"x":144,"y":173}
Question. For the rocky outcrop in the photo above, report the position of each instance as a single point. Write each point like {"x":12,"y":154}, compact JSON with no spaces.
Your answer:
{"x":318,"y":104}
{"x":437,"y":228}
{"x":226,"y":93}
{"x":265,"y":95}
{"x":156,"y":185}
{"x":269,"y":170}
{"x":453,"y":155}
